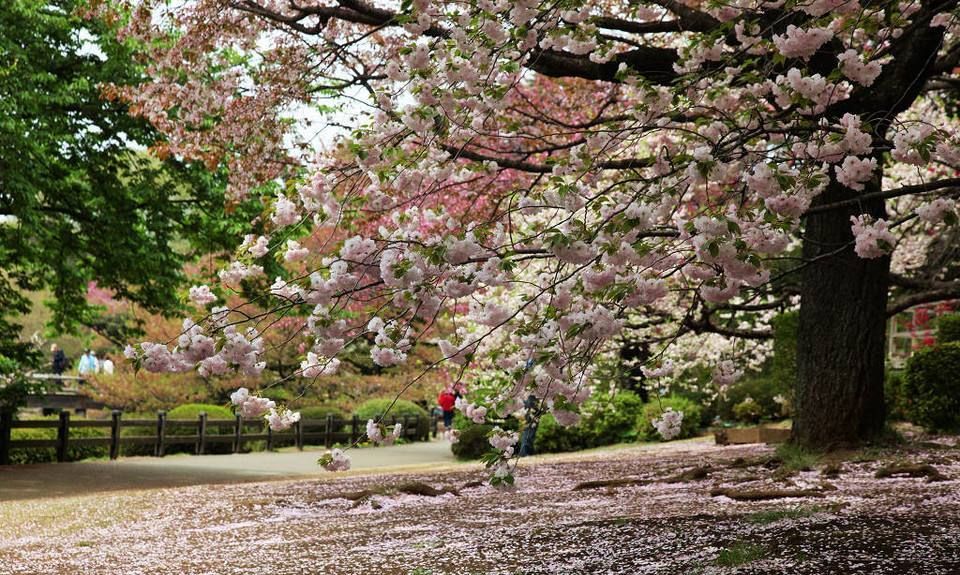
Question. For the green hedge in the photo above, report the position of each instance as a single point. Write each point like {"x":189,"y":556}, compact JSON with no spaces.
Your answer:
{"x":948,"y":328}
{"x":375,"y":408}
{"x":608,"y":422}
{"x":894,"y":395}
{"x":613,"y":421}
{"x":762,"y":390}
{"x":49,"y":454}
{"x":322,"y":411}
{"x":473,"y":443}
{"x":552,"y":437}
{"x":932,"y":387}
{"x":193,"y":411}
{"x":653,"y":410}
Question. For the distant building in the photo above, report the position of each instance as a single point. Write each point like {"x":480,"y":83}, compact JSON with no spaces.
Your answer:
{"x":915,"y":329}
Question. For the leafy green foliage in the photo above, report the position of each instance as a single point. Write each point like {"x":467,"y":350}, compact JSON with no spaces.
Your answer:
{"x":374,"y":408}
{"x":377,"y":407}
{"x":614,"y":420}
{"x":783,"y":367}
{"x":740,"y":553}
{"x":796,"y":458}
{"x":688,"y":428}
{"x":761,"y":390}
{"x":748,"y":411}
{"x":554,"y":438}
{"x":948,"y":328}
{"x":932,"y":387}
{"x":320,"y":412}
{"x":473,"y":443}
{"x":193,"y":410}
{"x":609,"y":420}
{"x":894,"y":395}
{"x":49,"y":454}
{"x":89,"y":206}
{"x":774,"y":515}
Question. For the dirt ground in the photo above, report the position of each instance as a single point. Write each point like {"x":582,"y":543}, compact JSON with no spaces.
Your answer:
{"x":686,"y":508}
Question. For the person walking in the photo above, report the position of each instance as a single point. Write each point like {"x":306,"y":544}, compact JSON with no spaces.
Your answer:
{"x":447,"y":401}
{"x":59,"y":364}
{"x":88,"y":363}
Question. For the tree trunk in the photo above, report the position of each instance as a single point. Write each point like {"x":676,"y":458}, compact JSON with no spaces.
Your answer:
{"x":840,"y":342}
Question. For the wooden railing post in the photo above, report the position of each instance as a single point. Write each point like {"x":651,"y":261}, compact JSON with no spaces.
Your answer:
{"x":115,"y":433}
{"x":63,"y":436}
{"x":161,"y":433}
{"x":238,"y":434}
{"x":354,"y":429}
{"x":328,"y":433}
{"x":202,"y":433}
{"x":269,"y":436}
{"x":6,"y":423}
{"x":298,"y":434}
{"x":405,"y":427}
{"x":434,"y":421}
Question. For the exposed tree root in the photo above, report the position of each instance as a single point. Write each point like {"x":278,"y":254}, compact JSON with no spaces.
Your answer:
{"x":609,"y":483}
{"x":410,"y":488}
{"x":911,"y":470}
{"x":763,"y":494}
{"x":832,"y":470}
{"x":694,"y":474}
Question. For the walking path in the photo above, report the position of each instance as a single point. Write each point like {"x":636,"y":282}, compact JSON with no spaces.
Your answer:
{"x":37,"y":481}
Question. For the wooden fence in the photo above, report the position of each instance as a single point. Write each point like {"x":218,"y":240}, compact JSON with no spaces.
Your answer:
{"x":195,"y":432}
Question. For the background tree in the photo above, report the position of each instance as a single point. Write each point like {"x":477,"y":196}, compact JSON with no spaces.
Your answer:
{"x":80,"y":199}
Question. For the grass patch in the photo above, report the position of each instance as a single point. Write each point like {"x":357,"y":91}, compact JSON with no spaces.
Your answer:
{"x":740,"y":554}
{"x":796,"y":458}
{"x":774,"y":515}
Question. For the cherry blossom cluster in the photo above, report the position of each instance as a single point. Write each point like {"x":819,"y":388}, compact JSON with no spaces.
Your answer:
{"x":668,"y":425}
{"x":335,"y":460}
{"x":524,"y":182}
{"x":873,"y":238}
{"x":377,"y":434}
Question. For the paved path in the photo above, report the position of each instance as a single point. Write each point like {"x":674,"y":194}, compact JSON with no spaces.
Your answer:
{"x":19,"y":482}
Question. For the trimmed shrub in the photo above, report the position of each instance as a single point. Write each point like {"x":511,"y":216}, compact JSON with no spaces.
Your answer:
{"x":374,"y":408}
{"x":552,"y":437}
{"x":893,"y":395}
{"x":932,"y":388}
{"x":948,"y":328}
{"x":748,"y":411}
{"x":762,"y":390}
{"x":341,"y":419}
{"x":49,"y":454}
{"x":192,"y":411}
{"x":473,"y":442}
{"x":688,"y":428}
{"x":278,"y":394}
{"x":783,"y":366}
{"x":614,"y":421}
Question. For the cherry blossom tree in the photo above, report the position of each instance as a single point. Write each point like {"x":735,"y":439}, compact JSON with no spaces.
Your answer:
{"x":514,"y":181}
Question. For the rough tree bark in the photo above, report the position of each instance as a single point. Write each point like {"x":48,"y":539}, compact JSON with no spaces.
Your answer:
{"x":840,"y":345}
{"x":842,"y":328}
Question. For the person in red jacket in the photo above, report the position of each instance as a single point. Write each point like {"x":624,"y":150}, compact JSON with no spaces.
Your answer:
{"x":447,"y":400}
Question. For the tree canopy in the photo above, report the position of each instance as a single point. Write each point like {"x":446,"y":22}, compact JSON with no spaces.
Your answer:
{"x":515,"y":181}
{"x":81,"y":199}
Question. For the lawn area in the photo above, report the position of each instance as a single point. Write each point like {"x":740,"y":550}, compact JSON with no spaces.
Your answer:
{"x":687,"y":507}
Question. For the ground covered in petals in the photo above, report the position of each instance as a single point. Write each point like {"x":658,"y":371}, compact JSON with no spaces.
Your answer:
{"x":686,"y":508}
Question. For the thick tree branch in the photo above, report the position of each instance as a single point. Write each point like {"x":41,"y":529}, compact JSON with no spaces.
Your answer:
{"x":924,"y":188}
{"x":943,"y":293}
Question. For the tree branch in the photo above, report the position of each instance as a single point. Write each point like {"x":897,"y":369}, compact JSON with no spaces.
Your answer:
{"x":943,"y":293}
